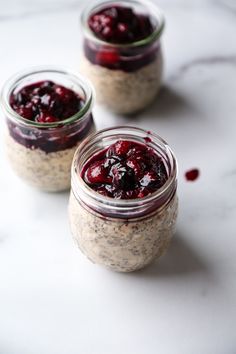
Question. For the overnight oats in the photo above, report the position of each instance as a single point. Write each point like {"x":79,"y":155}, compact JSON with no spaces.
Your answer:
{"x":122,"y":53}
{"x":48,"y":114}
{"x":123,"y":203}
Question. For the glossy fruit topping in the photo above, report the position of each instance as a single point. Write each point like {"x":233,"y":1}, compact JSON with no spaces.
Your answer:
{"x":52,"y":139}
{"x":117,"y":24}
{"x":121,"y":25}
{"x":128,"y":60}
{"x":125,"y":170}
{"x":46,"y":102}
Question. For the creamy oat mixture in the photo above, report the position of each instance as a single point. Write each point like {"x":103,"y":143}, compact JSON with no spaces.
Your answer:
{"x":122,"y":245}
{"x":125,"y":92}
{"x":46,"y":171}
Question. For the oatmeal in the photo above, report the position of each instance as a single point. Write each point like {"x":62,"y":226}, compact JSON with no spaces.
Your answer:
{"x":46,"y":171}
{"x":125,"y":92}
{"x":122,"y":245}
{"x":123,"y":202}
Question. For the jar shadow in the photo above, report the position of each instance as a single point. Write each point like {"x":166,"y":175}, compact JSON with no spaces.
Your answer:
{"x":3,"y":237}
{"x":180,"y":259}
{"x":167,"y":104}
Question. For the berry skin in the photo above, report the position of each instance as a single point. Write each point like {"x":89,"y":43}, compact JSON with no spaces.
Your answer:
{"x":136,"y":165}
{"x":149,"y":179}
{"x":107,"y":58}
{"x":123,"y":177}
{"x":26,"y":111}
{"x":121,"y":147}
{"x":46,"y":118}
{"x":97,"y":173}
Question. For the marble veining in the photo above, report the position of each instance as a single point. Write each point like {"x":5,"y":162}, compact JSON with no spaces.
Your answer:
{"x":25,"y":8}
{"x":204,"y":61}
{"x":228,"y":5}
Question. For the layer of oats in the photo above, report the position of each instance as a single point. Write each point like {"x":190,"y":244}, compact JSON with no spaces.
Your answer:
{"x":120,"y":245}
{"x":46,"y":171}
{"x":125,"y":92}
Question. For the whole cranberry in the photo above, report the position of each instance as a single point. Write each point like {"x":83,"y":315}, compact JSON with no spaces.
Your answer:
{"x":107,"y":57}
{"x":121,"y":147}
{"x":97,"y":173}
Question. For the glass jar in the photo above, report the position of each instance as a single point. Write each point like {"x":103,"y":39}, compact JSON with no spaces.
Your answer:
{"x":127,"y":77}
{"x":122,"y":234}
{"x":41,"y":153}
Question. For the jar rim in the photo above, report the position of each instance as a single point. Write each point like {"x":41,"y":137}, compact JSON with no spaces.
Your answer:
{"x":85,"y":85}
{"x":154,"y":10}
{"x":124,"y":205}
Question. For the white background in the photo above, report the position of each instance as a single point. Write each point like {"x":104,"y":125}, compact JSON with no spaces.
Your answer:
{"x":54,"y":301}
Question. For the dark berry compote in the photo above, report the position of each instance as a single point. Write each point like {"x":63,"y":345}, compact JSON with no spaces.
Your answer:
{"x":46,"y":102}
{"x":125,"y":170}
{"x":120,"y":25}
{"x":117,"y":27}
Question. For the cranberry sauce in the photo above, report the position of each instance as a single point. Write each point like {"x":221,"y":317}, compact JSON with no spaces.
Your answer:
{"x":50,"y":139}
{"x":47,"y":102}
{"x":125,"y":170}
{"x":120,"y":25}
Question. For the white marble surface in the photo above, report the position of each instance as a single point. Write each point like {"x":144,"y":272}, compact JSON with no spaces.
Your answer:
{"x":54,"y":301}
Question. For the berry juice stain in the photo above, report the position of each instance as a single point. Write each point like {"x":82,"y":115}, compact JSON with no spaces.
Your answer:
{"x":147,"y":140}
{"x":192,"y":175}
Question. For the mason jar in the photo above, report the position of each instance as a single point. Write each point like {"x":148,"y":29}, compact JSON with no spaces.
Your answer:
{"x":41,"y":152}
{"x":122,"y":234}
{"x":127,"y":77}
